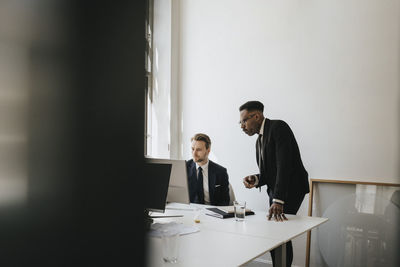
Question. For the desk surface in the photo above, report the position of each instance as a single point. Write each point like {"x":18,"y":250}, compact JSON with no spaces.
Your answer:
{"x":226,"y":242}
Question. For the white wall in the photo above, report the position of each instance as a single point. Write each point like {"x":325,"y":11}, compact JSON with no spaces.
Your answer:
{"x":328,"y":68}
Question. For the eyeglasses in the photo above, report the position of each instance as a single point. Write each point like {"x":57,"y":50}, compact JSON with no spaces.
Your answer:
{"x":245,"y":120}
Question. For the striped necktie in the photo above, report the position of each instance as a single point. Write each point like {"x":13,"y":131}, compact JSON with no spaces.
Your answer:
{"x":259,"y":149}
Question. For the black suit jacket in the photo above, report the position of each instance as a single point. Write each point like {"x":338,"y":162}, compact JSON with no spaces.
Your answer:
{"x":218,"y":183}
{"x":281,"y":168}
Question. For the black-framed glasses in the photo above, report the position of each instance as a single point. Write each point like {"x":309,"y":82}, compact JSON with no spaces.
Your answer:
{"x":245,"y":120}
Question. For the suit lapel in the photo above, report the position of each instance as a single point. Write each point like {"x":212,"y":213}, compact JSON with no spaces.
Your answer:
{"x":193,"y":178}
{"x":266,"y":137}
{"x":211,"y":180}
{"x":264,"y":145}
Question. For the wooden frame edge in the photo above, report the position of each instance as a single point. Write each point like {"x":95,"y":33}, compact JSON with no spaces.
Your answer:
{"x":310,"y":202}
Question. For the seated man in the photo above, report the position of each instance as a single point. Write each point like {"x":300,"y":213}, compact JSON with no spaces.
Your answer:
{"x":208,"y":181}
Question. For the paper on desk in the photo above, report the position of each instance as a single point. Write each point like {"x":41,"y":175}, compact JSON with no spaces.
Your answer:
{"x":179,"y":206}
{"x":157,"y":228}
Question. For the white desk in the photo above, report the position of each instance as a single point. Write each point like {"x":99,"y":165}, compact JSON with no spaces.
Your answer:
{"x":225,"y":242}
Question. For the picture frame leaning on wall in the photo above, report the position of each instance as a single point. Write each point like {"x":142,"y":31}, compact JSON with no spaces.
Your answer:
{"x":362,"y":227}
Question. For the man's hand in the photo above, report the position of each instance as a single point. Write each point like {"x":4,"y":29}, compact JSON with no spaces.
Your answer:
{"x":249,"y":181}
{"x":276,"y":211}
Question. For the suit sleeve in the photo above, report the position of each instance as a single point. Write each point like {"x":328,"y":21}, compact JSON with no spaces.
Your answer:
{"x":284,"y":156}
{"x":225,"y":190}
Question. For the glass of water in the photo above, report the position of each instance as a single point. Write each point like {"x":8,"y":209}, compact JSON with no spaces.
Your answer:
{"x":240,"y":210}
{"x":170,"y":245}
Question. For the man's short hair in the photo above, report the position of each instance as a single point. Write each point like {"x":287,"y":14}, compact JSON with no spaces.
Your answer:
{"x":202,"y":137}
{"x":252,"y":106}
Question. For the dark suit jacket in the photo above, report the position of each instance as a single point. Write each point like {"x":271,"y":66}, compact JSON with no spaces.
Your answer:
{"x":281,"y":168}
{"x":218,"y":183}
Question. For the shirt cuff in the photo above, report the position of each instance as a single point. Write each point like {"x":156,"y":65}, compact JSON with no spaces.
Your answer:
{"x":256,"y":178}
{"x":278,"y":201}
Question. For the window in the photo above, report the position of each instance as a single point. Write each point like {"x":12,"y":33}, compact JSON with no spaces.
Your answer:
{"x":162,"y":120}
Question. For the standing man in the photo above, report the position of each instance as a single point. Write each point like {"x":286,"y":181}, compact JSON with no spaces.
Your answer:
{"x":208,"y":181}
{"x":279,"y":163}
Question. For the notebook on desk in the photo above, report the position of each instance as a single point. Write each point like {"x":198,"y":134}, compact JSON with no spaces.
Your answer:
{"x":225,"y":212}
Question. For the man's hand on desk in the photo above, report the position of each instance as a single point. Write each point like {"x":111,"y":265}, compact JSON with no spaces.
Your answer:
{"x":249,"y":181}
{"x":276,"y":211}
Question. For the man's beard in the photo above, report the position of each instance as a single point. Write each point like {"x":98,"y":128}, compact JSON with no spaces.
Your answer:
{"x":200,"y":160}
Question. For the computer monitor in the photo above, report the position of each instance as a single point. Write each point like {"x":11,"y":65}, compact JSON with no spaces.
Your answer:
{"x":178,"y":190}
{"x":157,"y":176}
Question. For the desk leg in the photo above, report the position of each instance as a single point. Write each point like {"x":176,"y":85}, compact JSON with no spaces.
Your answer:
{"x":280,"y":255}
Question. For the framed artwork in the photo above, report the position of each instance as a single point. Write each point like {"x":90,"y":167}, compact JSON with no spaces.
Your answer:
{"x":363,"y":227}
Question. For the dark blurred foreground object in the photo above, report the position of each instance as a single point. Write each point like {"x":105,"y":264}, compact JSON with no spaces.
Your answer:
{"x":83,"y":72}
